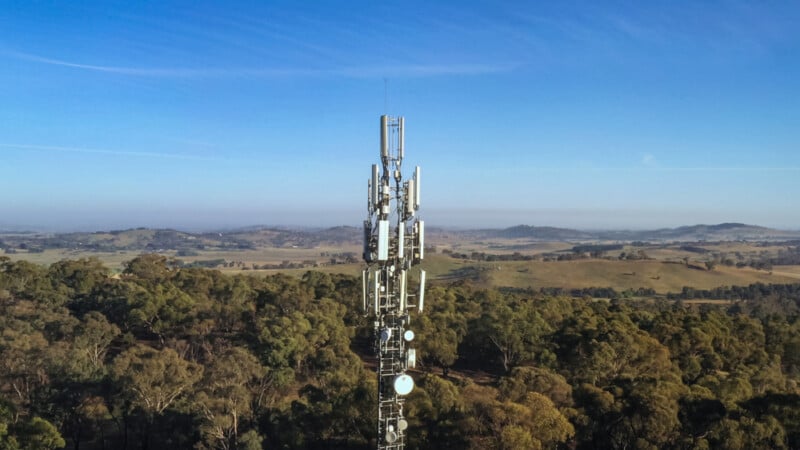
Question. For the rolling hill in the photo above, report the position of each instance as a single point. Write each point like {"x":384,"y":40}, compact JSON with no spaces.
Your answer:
{"x":157,"y":240}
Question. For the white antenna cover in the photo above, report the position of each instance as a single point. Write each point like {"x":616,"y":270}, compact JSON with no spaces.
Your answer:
{"x":376,"y":292}
{"x":364,"y":282}
{"x":403,"y":294}
{"x":374,"y":187}
{"x":383,"y":240}
{"x":408,"y":335}
{"x":403,"y":384}
{"x":401,"y":137}
{"x":416,"y":187}
{"x":421,"y":303}
{"x":421,"y":238}
{"x":384,"y":137}
{"x":410,"y":196}
{"x":401,"y":236}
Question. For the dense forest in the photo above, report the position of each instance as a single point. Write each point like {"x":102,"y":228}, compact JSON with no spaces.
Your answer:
{"x":167,"y":357}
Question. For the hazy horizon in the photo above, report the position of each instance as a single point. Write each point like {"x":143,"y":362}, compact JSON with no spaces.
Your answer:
{"x":577,"y":115}
{"x":578,"y":220}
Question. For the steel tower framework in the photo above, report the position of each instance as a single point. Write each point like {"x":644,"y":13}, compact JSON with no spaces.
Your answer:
{"x":393,"y":244}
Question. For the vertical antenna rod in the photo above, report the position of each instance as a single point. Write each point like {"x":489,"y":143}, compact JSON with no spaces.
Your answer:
{"x":385,"y":94}
{"x":393,"y":244}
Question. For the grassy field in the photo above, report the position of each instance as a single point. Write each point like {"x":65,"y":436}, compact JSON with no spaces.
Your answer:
{"x":661,"y":276}
{"x":503,"y":246}
{"x":112,"y":260}
{"x":116,"y":260}
{"x":787,"y":271}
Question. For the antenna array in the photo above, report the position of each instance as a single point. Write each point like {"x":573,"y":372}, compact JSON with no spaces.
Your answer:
{"x":393,"y":244}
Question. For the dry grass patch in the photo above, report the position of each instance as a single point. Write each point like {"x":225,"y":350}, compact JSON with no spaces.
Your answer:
{"x":660,"y":276}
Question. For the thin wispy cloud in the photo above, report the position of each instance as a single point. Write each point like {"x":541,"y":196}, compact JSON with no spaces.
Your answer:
{"x":648,"y":160}
{"x":422,"y":70}
{"x":145,"y":72}
{"x":407,"y":70}
{"x":696,"y":30}
{"x":192,"y":142}
{"x":98,"y":151}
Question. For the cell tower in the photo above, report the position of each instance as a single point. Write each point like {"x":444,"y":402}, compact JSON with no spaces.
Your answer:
{"x":393,"y":244}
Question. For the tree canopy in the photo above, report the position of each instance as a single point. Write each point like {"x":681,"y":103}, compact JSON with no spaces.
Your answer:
{"x":164,"y":357}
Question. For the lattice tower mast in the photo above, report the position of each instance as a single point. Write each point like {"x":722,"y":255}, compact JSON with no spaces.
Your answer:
{"x":393,"y":244}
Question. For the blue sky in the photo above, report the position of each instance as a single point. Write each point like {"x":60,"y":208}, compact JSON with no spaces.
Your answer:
{"x":215,"y":114}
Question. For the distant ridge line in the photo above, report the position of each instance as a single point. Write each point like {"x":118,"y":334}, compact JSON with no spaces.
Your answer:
{"x":278,"y":236}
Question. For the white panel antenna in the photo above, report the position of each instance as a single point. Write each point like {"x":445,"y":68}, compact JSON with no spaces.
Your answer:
{"x":383,"y":240}
{"x":403,"y":293}
{"x":411,"y":194}
{"x":421,"y":300}
{"x":384,"y":136}
{"x":417,"y":186}
{"x":401,"y":236}
{"x":376,"y":292}
{"x":364,"y":283}
{"x":401,"y":138}
{"x":374,"y":187}
{"x":421,"y":239}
